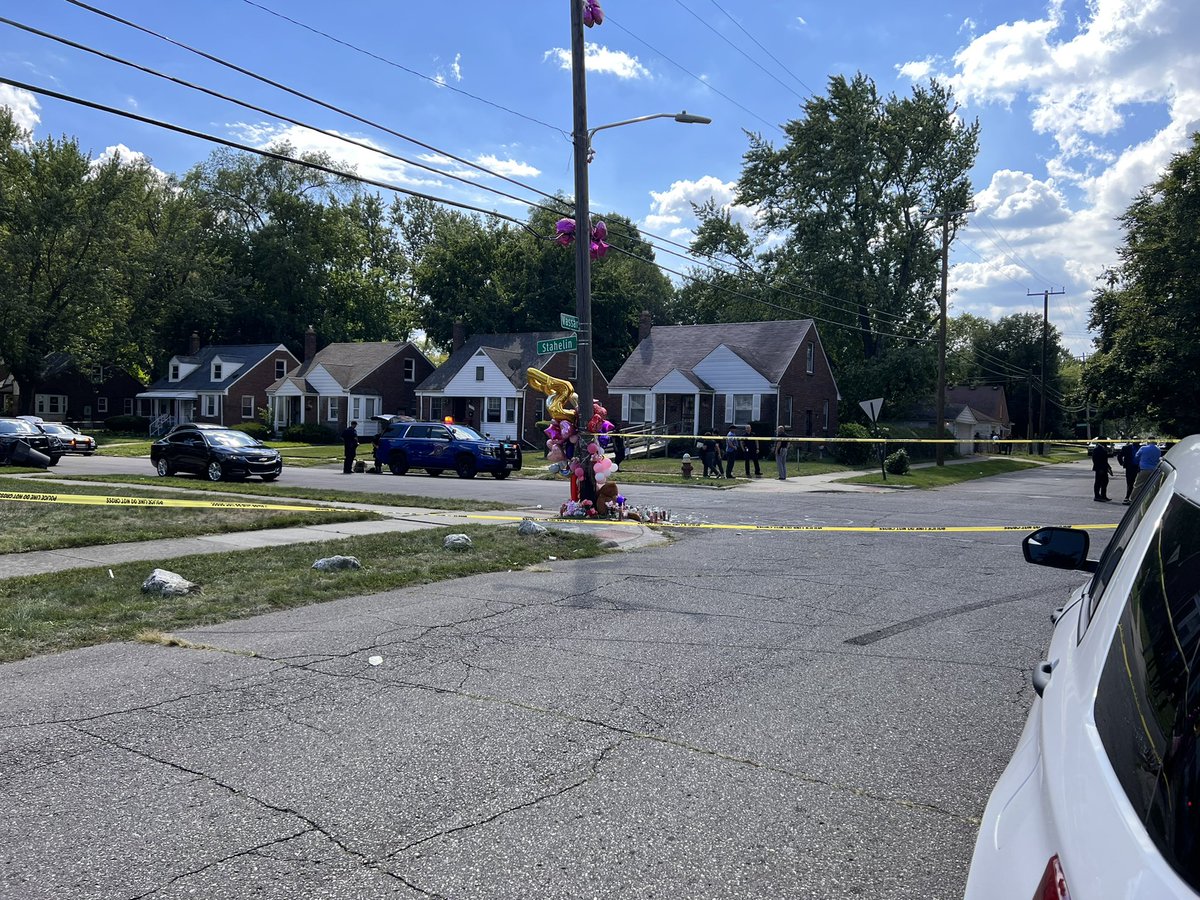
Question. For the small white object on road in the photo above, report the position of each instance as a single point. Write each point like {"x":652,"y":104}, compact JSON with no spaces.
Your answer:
{"x":375,"y":660}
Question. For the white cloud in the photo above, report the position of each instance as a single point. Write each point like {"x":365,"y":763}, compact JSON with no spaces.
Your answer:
{"x":673,"y":207}
{"x":508,"y":167}
{"x":800,"y":20}
{"x":125,"y":155}
{"x":600,"y":60}
{"x":917,"y":70}
{"x":23,"y":105}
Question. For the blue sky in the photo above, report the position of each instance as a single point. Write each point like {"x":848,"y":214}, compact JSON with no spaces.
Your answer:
{"x":1081,"y":104}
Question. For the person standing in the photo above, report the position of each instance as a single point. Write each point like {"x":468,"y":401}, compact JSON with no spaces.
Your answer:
{"x":710,"y":451}
{"x":732,"y":447}
{"x":781,"y":451}
{"x":750,"y":452}
{"x":1102,"y":469}
{"x":349,"y":447}
{"x":1127,"y":459}
{"x":1148,"y":456}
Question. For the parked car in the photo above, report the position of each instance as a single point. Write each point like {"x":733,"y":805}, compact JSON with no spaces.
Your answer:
{"x":214,"y":452}
{"x":72,"y":440}
{"x":1100,"y":798}
{"x":16,"y":431}
{"x":438,"y":446}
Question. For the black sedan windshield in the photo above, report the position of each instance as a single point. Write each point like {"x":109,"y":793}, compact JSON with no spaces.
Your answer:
{"x":231,"y":439}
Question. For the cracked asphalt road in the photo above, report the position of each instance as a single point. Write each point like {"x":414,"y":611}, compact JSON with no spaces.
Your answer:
{"x":694,"y":721}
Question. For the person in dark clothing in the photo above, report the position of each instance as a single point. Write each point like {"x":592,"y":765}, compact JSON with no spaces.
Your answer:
{"x":1102,"y":469}
{"x":1127,"y":459}
{"x":710,"y":451}
{"x":732,"y":448}
{"x":750,"y":453}
{"x":350,"y":447}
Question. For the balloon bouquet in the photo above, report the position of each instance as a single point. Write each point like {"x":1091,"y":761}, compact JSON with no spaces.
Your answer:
{"x":562,"y":441}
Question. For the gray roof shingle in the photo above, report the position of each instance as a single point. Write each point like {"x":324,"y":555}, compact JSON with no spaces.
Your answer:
{"x":247,"y":355}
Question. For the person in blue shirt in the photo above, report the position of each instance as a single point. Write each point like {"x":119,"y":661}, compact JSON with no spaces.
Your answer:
{"x":1148,"y":456}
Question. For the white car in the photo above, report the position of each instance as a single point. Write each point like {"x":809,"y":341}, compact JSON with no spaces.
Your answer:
{"x":1102,"y":797}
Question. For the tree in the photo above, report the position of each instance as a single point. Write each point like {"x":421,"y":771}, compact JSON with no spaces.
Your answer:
{"x":857,"y":195}
{"x":67,"y":224}
{"x":1147,"y":313}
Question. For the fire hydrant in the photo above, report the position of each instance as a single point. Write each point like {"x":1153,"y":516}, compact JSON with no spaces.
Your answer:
{"x":686,"y":469}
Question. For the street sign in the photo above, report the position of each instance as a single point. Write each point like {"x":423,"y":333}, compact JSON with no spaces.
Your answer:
{"x":872,"y":408}
{"x":558,"y":345}
{"x":568,"y":322}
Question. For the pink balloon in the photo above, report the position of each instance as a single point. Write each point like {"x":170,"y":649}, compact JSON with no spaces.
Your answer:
{"x":593,"y":448}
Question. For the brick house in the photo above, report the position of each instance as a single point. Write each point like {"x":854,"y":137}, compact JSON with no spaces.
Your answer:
{"x":691,"y":378}
{"x":483,"y":384}
{"x":225,"y":385}
{"x":349,"y":382}
{"x":68,"y":393}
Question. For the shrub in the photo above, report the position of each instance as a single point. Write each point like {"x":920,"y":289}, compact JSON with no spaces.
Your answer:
{"x":128,"y":424}
{"x":310,"y":433}
{"x":852,"y":453}
{"x":897,"y":463}
{"x":254,"y":429}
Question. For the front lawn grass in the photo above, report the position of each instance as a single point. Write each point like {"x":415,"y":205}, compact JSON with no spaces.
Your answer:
{"x":938,"y":476}
{"x":78,"y":608}
{"x":27,"y":526}
{"x":280,"y":492}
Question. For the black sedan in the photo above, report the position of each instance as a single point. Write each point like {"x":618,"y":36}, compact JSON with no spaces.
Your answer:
{"x":216,"y":453}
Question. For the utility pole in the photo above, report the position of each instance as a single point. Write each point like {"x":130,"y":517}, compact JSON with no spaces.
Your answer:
{"x":1045,"y":342}
{"x":583,"y":249}
{"x":940,"y":448}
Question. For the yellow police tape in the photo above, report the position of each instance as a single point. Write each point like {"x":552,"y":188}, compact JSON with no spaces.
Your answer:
{"x":99,"y":500}
{"x":865,"y":529}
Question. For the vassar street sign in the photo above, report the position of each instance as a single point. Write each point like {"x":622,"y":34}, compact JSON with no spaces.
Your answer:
{"x":558,"y":345}
{"x":568,"y":322}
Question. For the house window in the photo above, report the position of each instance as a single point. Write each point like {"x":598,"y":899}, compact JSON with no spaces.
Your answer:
{"x":332,"y":412}
{"x":410,"y":370}
{"x":247,"y":406}
{"x":743,"y":409}
{"x":809,"y":358}
{"x":510,"y":410}
{"x":539,"y":409}
{"x":208,"y":404}
{"x":51,"y":404}
{"x":371,"y":407}
{"x":808,"y":423}
{"x":216,"y":370}
{"x":101,"y":404}
{"x":355,"y":408}
{"x":786,"y":418}
{"x":825,"y":417}
{"x":127,"y":407}
{"x":435,"y":408}
{"x":492,"y":414}
{"x":280,"y":368}
{"x":174,"y":371}
{"x":572,"y":366}
{"x":479,"y":373}
{"x":637,"y":408}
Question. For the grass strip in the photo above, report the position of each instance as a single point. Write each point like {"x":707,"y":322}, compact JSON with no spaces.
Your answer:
{"x":28,"y":526}
{"x":938,"y":476}
{"x":82,"y":607}
{"x":285,"y":491}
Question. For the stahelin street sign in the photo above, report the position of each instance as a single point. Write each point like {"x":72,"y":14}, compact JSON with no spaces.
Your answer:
{"x":558,"y":345}
{"x":568,"y":321}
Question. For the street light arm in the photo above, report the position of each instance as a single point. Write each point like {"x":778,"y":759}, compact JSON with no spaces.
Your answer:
{"x":683,"y":117}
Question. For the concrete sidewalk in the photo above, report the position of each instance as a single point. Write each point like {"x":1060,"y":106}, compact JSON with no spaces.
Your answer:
{"x":628,"y":536}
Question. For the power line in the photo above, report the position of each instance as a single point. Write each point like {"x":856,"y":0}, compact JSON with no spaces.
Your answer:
{"x":703,"y":21}
{"x":268,"y":112}
{"x":404,"y":68}
{"x":307,"y":97}
{"x":761,"y":47}
{"x":609,"y":20}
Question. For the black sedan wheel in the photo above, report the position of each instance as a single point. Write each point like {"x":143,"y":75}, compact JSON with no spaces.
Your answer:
{"x":465,"y":466}
{"x":164,"y":468}
{"x":214,"y":471}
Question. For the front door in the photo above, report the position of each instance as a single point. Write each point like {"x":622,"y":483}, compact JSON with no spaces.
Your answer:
{"x":688,"y":414}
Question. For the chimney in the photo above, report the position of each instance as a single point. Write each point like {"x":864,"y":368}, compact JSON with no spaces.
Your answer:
{"x":310,"y":343}
{"x":644,"y":323}
{"x":194,"y":344}
{"x":460,"y":335}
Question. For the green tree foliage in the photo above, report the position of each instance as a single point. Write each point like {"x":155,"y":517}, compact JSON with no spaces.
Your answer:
{"x":856,"y":195}
{"x":497,"y":277}
{"x":73,"y":232}
{"x":1147,"y":364}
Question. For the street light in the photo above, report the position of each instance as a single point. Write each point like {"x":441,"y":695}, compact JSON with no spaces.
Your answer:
{"x":582,"y":138}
